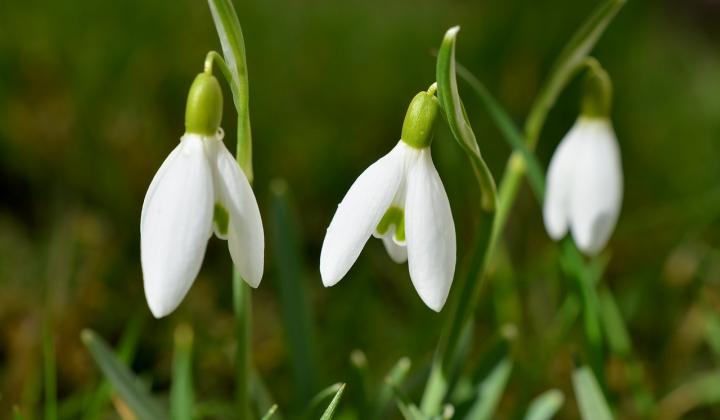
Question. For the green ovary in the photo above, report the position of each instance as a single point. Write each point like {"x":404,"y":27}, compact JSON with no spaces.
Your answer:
{"x":393,"y":216}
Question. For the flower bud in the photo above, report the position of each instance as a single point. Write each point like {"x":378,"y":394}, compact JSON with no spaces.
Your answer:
{"x":419,"y":125}
{"x":203,"y":112}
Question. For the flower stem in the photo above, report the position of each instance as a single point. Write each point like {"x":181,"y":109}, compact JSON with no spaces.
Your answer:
{"x":242,"y":307}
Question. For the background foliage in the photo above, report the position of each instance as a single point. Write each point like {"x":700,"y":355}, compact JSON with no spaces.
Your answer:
{"x":92,"y":96}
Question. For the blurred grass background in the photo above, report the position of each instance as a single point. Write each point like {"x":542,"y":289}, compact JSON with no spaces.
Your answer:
{"x":92,"y":97}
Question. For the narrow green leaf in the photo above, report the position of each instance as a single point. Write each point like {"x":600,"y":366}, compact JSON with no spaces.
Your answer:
{"x":394,"y":379}
{"x":511,"y":133}
{"x":545,"y":405}
{"x":293,"y":300}
{"x":409,"y":411}
{"x":231,"y":38}
{"x":590,"y":399}
{"x":704,"y":389}
{"x":614,"y":326}
{"x":122,"y":379}
{"x":181,"y":391}
{"x":125,"y":353}
{"x":407,"y":408}
{"x":490,"y":391}
{"x":330,"y":411}
{"x":270,"y":412}
{"x":322,"y":396}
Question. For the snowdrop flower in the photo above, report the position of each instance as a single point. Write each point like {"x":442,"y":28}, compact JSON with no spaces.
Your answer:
{"x":585,"y":181}
{"x":198,"y":190}
{"x":401,"y":200}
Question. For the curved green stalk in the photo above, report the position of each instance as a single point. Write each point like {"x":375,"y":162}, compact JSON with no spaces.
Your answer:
{"x":233,"y":47}
{"x":234,"y":68}
{"x":570,"y":60}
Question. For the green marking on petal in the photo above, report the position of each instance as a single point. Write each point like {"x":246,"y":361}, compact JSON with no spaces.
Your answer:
{"x":400,"y":229}
{"x":221,"y":218}
{"x":393,"y":216}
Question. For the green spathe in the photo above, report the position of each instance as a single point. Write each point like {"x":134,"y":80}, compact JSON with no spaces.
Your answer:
{"x":203,"y":112}
{"x":419,"y":125}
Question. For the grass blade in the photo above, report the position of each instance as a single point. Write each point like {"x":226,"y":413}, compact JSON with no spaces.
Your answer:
{"x":590,"y":399}
{"x":125,"y":353}
{"x":545,"y":405}
{"x":490,"y":391}
{"x":393,"y":380}
{"x":270,"y":412}
{"x":122,"y":379}
{"x":704,"y":389}
{"x":614,"y":326}
{"x":181,"y":391}
{"x":330,"y":411}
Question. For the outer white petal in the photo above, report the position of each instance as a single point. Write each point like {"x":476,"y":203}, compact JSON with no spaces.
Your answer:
{"x":598,"y":186}
{"x":246,"y":239}
{"x":359,"y":213}
{"x":175,"y":221}
{"x":430,"y":234}
{"x":398,"y":253}
{"x":559,"y":184}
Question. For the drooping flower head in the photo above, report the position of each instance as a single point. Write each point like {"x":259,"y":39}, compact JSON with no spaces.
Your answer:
{"x":400,"y":199}
{"x":585,"y":179}
{"x":199,"y":189}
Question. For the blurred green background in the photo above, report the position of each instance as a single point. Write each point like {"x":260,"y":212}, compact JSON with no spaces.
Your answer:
{"x":92,"y":97}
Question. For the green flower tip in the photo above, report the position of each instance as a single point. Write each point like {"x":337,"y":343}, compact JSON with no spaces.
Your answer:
{"x":419,"y":125}
{"x":597,"y":92}
{"x":203,"y":113}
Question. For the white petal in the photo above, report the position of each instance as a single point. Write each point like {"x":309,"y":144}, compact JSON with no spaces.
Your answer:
{"x":397,"y":253}
{"x":559,"y":184}
{"x":430,"y":234}
{"x":175,"y":221}
{"x":598,"y":187}
{"x":359,"y":213}
{"x":246,"y":239}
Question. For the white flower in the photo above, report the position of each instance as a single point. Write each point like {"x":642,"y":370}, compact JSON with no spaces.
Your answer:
{"x":585,"y":185}
{"x":400,"y":199}
{"x":199,"y":182}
